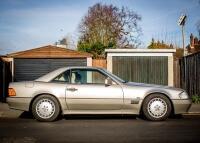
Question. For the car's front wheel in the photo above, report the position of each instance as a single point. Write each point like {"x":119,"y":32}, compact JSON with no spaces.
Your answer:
{"x":156,"y":107}
{"x":45,"y":108}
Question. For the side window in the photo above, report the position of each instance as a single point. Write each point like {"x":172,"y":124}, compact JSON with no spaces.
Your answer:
{"x":85,"y":76}
{"x":63,"y":77}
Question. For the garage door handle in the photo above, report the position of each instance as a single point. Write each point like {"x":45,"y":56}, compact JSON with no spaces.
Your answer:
{"x":72,"y":89}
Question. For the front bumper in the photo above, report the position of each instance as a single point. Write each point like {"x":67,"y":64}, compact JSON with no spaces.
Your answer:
{"x":19,"y":103}
{"x":182,"y":106}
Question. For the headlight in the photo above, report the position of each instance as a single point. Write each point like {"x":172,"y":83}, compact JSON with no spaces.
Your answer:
{"x":183,"y":95}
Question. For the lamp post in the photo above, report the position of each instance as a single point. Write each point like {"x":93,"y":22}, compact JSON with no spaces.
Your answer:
{"x":181,"y":22}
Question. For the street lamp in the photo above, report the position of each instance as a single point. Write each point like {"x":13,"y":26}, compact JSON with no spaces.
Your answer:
{"x":181,"y":22}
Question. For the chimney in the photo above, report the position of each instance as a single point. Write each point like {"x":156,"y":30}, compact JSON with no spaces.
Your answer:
{"x":192,"y":41}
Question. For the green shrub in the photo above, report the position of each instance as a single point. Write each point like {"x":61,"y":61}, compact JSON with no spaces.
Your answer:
{"x":96,"y":49}
{"x":196,"y":99}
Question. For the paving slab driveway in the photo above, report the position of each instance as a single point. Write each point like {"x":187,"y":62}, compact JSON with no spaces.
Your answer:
{"x":92,"y":129}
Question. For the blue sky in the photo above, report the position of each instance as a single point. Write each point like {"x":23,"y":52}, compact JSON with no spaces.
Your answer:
{"x":26,"y":24}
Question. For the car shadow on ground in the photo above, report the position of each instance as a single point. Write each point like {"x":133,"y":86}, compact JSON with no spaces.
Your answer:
{"x":99,"y":117}
{"x":28,"y":115}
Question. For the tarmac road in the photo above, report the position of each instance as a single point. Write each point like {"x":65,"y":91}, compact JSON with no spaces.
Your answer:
{"x":98,"y":129}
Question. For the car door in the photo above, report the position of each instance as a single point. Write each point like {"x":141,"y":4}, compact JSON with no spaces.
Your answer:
{"x":88,"y":91}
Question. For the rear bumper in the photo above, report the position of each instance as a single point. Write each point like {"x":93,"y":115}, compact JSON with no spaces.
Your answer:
{"x":19,"y":103}
{"x":182,"y":106}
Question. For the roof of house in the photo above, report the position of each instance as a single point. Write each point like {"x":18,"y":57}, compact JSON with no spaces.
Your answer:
{"x":49,"y":51}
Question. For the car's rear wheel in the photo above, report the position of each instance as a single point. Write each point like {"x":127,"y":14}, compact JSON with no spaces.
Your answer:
{"x":45,"y":108}
{"x":156,"y":107}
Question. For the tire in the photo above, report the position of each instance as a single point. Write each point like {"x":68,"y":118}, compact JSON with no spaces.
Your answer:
{"x":45,"y":108}
{"x":156,"y":107}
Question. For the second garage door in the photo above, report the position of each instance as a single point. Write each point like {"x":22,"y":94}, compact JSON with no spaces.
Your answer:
{"x":143,"y":69}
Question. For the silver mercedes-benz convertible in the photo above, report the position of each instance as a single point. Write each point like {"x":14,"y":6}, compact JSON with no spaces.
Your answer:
{"x":89,"y":90}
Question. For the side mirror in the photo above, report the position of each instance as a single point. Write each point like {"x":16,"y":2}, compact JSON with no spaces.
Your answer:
{"x":108,"y":81}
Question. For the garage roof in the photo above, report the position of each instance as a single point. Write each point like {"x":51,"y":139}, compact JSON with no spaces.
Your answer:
{"x":50,"y":51}
{"x":140,"y":50}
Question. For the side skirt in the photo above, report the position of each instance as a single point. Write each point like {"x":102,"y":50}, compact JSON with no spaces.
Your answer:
{"x":100,"y":112}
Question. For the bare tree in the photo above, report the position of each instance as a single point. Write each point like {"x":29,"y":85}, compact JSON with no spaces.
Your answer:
{"x":129,"y":29}
{"x":110,"y":26}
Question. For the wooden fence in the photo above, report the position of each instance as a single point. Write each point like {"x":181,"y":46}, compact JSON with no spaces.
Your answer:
{"x":99,"y":63}
{"x":190,"y":74}
{"x":5,"y":78}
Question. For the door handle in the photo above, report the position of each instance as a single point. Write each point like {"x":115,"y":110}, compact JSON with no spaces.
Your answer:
{"x":72,"y":89}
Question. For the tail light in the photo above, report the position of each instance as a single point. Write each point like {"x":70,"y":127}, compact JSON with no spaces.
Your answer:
{"x":11,"y":92}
